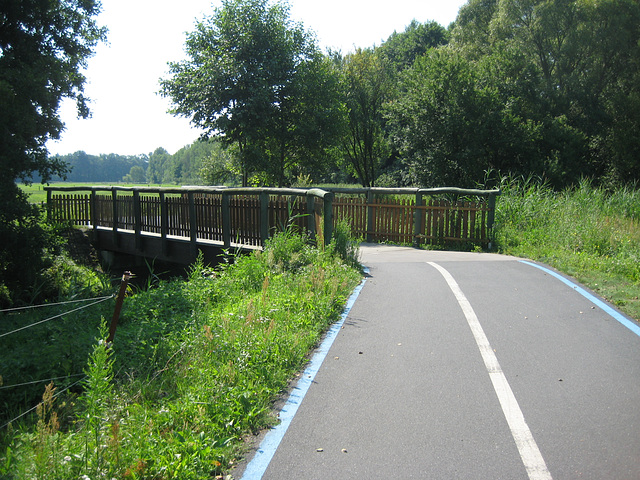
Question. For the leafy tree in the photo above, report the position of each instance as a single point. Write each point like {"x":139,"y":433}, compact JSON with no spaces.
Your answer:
{"x":452,"y":122}
{"x":44,"y":46}
{"x":367,"y":85}
{"x":247,"y":81}
{"x":135,"y":175}
{"x":402,"y":49}
{"x":585,"y":58}
{"x":218,"y":167}
{"x":157,"y":161}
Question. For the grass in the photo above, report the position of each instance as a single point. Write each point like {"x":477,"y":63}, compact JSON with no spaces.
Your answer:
{"x":37,"y":194}
{"x":586,"y":232}
{"x":194,"y":370}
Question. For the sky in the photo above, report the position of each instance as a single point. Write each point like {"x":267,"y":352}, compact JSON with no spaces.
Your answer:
{"x":129,"y":117}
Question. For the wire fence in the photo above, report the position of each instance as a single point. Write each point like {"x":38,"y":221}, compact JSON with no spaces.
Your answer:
{"x":29,"y":307}
{"x":100,"y":300}
{"x":89,"y":302}
{"x":34,"y":408}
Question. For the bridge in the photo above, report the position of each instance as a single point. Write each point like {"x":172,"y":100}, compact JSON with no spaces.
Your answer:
{"x":174,"y":224}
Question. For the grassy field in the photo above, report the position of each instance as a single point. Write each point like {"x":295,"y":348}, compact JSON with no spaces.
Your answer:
{"x":37,"y":194}
{"x":586,"y":232}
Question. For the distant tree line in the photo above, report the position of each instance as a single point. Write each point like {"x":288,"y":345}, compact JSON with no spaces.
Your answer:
{"x":202,"y":162}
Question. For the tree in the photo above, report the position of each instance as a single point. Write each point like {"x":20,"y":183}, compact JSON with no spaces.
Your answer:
{"x":585,"y":55}
{"x":367,"y":85}
{"x":452,"y":122}
{"x":245,"y":82}
{"x":402,"y":49}
{"x":135,"y":175}
{"x":43,"y":48}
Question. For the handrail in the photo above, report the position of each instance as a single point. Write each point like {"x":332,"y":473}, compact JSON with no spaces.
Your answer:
{"x":413,"y":191}
{"x":226,"y":192}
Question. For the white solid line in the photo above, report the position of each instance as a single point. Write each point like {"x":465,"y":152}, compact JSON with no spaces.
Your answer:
{"x":529,"y":451}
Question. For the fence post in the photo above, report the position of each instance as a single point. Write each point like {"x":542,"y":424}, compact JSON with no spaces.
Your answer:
{"x":264,"y":217}
{"x":226,"y":220}
{"x":93,"y":214}
{"x":137,"y":220}
{"x":370,"y":218}
{"x":49,"y":206}
{"x":126,"y":276}
{"x":193,"y":225}
{"x":114,"y":208}
{"x":417,"y":220}
{"x":164,"y":224}
{"x":328,"y":217}
{"x":491,"y":215}
{"x":311,"y":221}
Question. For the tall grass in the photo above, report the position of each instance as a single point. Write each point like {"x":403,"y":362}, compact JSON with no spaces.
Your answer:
{"x":224,"y":345}
{"x":586,"y":231}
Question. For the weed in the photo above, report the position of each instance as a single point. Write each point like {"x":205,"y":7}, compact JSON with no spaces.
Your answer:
{"x":584,"y":231}
{"x":201,"y":363}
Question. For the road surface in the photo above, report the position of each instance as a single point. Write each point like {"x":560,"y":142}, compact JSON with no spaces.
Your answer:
{"x":463,"y":366}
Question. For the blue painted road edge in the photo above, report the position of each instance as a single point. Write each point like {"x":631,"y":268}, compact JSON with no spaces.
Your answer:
{"x":267,"y":449}
{"x":592,"y":298}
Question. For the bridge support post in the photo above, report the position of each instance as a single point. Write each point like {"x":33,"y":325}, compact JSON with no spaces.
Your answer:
{"x":264,"y":217}
{"x":164,"y":225}
{"x":328,"y":217}
{"x":226,"y":221}
{"x":193,"y":225}
{"x":114,"y":199}
{"x":491,"y":215}
{"x":370,"y":218}
{"x":93,"y":211}
{"x":311,"y":217}
{"x":417,"y":220}
{"x":137,"y":218}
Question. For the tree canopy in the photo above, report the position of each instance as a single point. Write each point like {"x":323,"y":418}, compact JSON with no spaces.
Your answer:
{"x":44,"y":46}
{"x":256,"y":80}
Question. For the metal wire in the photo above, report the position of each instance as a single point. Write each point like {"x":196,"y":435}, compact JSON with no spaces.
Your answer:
{"x":57,"y":316}
{"x":15,"y":309}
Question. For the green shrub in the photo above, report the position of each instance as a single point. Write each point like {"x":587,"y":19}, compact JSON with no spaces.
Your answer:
{"x":198,"y":365}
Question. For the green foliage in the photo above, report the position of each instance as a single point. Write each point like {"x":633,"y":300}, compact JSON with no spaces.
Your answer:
{"x":585,"y":231}
{"x":367,"y":85}
{"x":94,"y":404}
{"x":447,"y":122}
{"x":582,"y":91}
{"x":257,"y":80}
{"x":83,"y":167}
{"x":220,"y":349}
{"x":402,"y":49}
{"x":345,"y":245}
{"x":43,"y":49}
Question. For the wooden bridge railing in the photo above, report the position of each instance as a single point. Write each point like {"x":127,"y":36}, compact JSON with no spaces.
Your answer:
{"x":239,"y":216}
{"x":445,"y":216}
{"x":248,"y":216}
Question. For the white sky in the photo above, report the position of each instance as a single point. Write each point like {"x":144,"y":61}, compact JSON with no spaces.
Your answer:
{"x":129,"y":117}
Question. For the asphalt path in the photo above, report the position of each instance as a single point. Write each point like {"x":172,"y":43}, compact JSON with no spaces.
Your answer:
{"x":464,"y":366}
